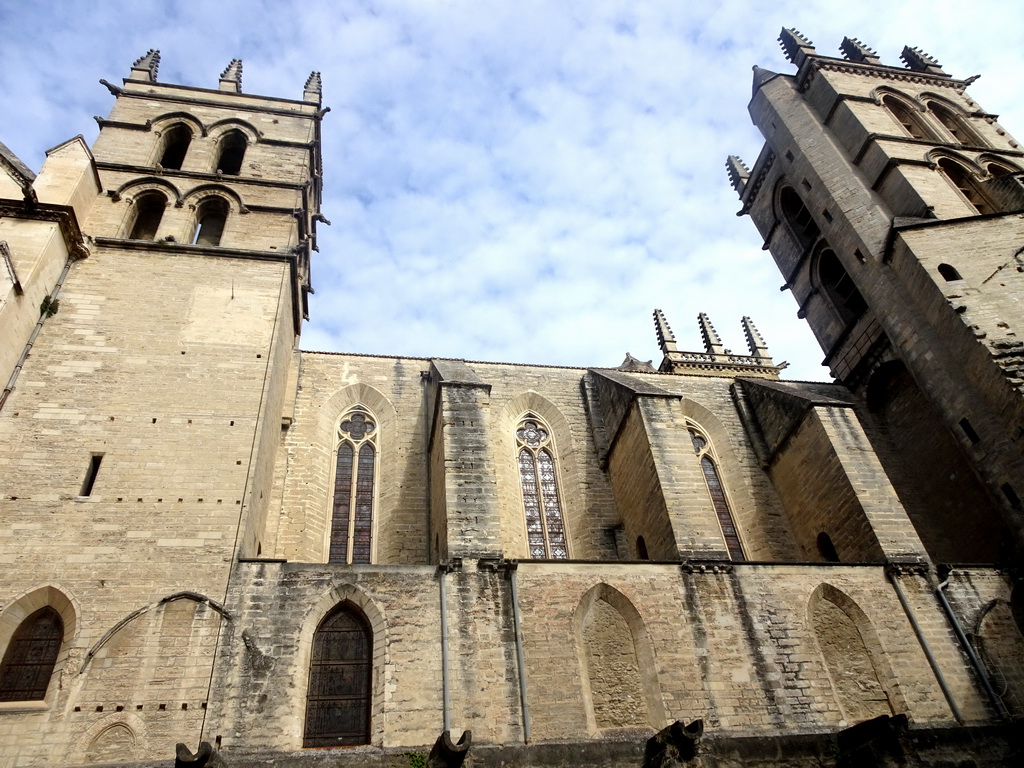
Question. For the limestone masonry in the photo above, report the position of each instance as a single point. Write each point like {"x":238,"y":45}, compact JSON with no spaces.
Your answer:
{"x":292,"y":558}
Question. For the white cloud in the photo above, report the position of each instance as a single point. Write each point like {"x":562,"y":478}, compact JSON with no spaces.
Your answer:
{"x":518,"y":181}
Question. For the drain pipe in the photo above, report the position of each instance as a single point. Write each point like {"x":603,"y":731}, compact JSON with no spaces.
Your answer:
{"x":511,"y":567}
{"x":442,"y":572}
{"x":892,"y":571}
{"x":31,"y":339}
{"x":975,"y":661}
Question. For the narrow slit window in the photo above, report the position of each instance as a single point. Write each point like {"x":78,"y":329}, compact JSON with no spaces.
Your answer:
{"x":90,"y":475}
{"x":719,"y":500}
{"x":352,"y":517}
{"x":538,"y":481}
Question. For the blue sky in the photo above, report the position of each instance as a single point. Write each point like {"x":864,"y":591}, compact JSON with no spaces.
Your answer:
{"x":515,"y":181}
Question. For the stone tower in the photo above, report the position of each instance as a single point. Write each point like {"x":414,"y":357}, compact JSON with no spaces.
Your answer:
{"x":137,"y":440}
{"x":891,"y":203}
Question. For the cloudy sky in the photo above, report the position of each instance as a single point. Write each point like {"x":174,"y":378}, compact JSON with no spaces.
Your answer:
{"x":508,"y":180}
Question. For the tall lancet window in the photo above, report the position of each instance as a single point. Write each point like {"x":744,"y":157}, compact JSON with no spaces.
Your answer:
{"x":354,"y":488}
{"x":545,"y":527}
{"x":708,"y":465}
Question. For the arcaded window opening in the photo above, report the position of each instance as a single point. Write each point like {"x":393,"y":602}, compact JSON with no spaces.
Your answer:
{"x":352,"y":518}
{"x":949,"y":273}
{"x":149,"y":210}
{"x":709,"y":467}
{"x":798,"y":217}
{"x":232,"y":152}
{"x":964,"y":181}
{"x":339,"y":695}
{"x":176,"y":142}
{"x":907,"y":118}
{"x":955,"y":124}
{"x":31,"y":656}
{"x":839,"y":287}
{"x":211,"y":216}
{"x":538,"y":481}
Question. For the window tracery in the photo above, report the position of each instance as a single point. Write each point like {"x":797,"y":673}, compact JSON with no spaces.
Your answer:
{"x":354,"y":488}
{"x":30,"y":657}
{"x":709,"y":466}
{"x":538,"y":481}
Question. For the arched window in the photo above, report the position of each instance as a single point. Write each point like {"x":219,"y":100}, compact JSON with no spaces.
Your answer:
{"x":340,"y":680}
{"x":232,"y":152}
{"x":998,"y":169}
{"x":545,"y":528}
{"x":798,"y":217}
{"x":955,"y":124}
{"x":149,"y":210}
{"x":907,"y":117}
{"x":176,"y":141}
{"x":964,"y":181}
{"x":354,"y":486}
{"x":31,"y":656}
{"x":211,"y":216}
{"x":827,"y":549}
{"x":708,"y":465}
{"x":841,"y":291}
{"x":949,"y":273}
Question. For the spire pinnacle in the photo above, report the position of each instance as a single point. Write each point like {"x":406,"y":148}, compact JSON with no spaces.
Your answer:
{"x":712,"y":343}
{"x":854,"y":50}
{"x":313,"y":89}
{"x":738,"y":173}
{"x":796,"y":47}
{"x":231,"y":77}
{"x":146,"y":66}
{"x":666,"y":339}
{"x":755,"y":343}
{"x":919,"y":61}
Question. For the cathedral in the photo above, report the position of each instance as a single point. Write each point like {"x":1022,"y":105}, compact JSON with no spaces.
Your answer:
{"x":270,"y":556}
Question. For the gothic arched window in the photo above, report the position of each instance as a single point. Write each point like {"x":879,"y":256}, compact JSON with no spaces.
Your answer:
{"x":908,"y":117}
{"x":340,"y":680}
{"x":31,"y":656}
{"x":709,"y":467}
{"x":176,"y":141}
{"x":839,"y":287}
{"x":354,"y":481}
{"x":798,"y":217}
{"x":955,"y":124}
{"x":538,"y":480}
{"x":232,"y":152}
{"x":211,"y":216}
{"x":149,"y":210}
{"x":964,"y":181}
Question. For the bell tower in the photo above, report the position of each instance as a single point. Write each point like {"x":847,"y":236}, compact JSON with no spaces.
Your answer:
{"x":138,"y":439}
{"x":890,"y":201}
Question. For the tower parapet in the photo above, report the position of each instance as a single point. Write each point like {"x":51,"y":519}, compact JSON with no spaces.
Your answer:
{"x":715,"y":360}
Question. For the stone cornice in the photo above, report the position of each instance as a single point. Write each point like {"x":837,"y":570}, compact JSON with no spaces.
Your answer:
{"x":814,"y":63}
{"x":62,"y":215}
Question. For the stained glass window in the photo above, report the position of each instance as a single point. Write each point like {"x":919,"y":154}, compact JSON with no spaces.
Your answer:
{"x":538,"y":479}
{"x":702,"y":447}
{"x":354,"y":479}
{"x":340,"y":681}
{"x":30,"y":657}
